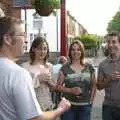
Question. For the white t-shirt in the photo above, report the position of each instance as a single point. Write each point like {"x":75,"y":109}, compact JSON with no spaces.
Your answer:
{"x":17,"y":96}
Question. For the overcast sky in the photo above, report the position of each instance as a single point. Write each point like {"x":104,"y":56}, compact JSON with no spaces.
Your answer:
{"x":94,"y":15}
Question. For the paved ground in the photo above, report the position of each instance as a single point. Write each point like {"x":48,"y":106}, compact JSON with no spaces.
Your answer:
{"x":97,"y":105}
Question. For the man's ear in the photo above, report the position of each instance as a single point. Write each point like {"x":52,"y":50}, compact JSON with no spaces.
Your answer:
{"x":7,"y":40}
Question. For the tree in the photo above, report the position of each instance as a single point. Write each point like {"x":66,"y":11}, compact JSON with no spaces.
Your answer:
{"x":91,"y":43}
{"x":114,"y":24}
{"x":88,"y":40}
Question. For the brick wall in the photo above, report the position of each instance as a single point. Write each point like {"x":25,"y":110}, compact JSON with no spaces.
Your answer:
{"x":6,"y":6}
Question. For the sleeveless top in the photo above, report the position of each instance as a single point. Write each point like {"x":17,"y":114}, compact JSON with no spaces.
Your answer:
{"x":81,"y":80}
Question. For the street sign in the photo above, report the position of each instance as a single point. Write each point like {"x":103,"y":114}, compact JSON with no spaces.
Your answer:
{"x":22,"y":4}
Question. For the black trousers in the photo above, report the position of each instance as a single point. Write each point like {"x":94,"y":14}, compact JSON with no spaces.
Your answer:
{"x":110,"y":112}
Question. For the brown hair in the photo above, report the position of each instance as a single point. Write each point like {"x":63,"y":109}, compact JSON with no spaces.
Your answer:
{"x":38,"y":41}
{"x":80,"y":44}
{"x":113,"y":34}
{"x":7,"y":26}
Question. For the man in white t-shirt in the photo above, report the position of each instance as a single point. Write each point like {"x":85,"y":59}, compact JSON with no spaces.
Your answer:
{"x":17,"y":97}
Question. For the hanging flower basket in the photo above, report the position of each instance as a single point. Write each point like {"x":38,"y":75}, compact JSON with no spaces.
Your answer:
{"x":45,"y":7}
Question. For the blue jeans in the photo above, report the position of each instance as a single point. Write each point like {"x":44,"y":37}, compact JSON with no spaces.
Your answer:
{"x":110,"y":112}
{"x":82,"y":112}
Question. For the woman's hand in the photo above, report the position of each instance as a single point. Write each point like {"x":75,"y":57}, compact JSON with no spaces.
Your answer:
{"x":76,"y":90}
{"x":45,"y":77}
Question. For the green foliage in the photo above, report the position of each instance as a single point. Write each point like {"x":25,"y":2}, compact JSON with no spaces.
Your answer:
{"x":114,"y":24}
{"x":45,"y":7}
{"x":54,"y":4}
{"x":89,"y":40}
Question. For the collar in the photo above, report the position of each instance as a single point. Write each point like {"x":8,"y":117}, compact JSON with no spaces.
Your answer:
{"x":113,"y":59}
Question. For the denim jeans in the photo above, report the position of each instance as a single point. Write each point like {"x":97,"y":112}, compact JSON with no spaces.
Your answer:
{"x":110,"y":113}
{"x":82,"y":112}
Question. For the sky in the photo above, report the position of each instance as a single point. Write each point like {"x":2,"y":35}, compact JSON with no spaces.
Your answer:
{"x":94,"y":15}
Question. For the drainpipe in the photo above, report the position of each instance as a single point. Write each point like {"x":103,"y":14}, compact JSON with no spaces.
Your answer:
{"x":63,"y":43}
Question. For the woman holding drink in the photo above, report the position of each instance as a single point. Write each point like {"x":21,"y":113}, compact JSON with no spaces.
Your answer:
{"x":77,"y":82}
{"x":40,"y":70}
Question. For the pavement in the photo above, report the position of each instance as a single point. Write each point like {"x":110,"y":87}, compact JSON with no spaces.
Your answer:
{"x":97,"y":105}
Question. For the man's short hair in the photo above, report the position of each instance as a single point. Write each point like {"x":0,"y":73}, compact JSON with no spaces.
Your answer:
{"x":111,"y":34}
{"x":7,"y":24}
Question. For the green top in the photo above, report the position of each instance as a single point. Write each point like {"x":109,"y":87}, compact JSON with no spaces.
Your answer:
{"x":81,"y":80}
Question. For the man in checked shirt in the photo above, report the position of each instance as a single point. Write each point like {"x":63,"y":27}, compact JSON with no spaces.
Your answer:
{"x":109,"y":78}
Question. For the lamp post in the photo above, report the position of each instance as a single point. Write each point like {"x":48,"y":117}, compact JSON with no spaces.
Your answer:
{"x":63,"y":45}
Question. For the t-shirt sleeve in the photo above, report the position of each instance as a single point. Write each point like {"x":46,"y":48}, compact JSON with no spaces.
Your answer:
{"x":24,"y":98}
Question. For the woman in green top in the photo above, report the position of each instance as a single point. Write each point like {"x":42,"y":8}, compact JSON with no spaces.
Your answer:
{"x":77,"y":82}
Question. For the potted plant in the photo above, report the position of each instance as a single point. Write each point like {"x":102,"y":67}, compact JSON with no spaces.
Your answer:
{"x":45,"y":7}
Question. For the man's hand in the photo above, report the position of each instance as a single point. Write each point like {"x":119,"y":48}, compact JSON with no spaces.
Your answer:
{"x":115,"y":75}
{"x":63,"y":106}
{"x":52,"y":115}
